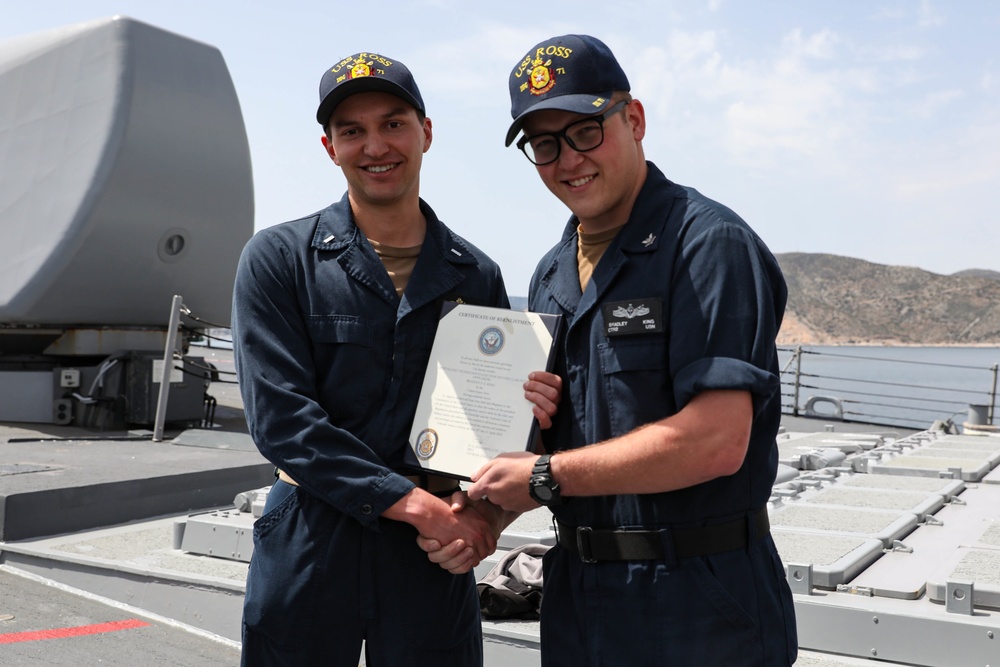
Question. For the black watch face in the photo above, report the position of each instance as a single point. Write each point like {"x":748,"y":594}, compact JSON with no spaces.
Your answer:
{"x":543,"y":492}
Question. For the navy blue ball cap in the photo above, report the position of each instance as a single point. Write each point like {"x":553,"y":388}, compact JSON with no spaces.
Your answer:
{"x":364,"y":72}
{"x":576,"y":73}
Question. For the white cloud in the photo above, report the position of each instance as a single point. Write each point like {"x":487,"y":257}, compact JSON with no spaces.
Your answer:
{"x":935,"y":102}
{"x":928,"y":16}
{"x":821,"y":45}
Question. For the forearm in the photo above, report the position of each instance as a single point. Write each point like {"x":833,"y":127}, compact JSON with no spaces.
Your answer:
{"x":420,"y":509}
{"x":686,"y":449}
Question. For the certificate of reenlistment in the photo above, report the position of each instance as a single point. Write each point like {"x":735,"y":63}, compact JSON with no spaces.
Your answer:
{"x":472,"y":405}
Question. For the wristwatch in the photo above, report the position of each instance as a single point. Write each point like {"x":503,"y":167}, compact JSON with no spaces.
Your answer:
{"x":541,"y":485}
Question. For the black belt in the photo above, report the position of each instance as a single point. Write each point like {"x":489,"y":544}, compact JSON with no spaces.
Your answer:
{"x":623,"y":544}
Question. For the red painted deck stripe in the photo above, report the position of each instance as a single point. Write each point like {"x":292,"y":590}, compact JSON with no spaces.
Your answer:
{"x":80,"y":631}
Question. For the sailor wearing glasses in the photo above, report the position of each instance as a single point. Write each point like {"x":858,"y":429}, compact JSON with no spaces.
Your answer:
{"x":661,"y":459}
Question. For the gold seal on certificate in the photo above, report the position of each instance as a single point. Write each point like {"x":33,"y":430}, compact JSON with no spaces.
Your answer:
{"x":472,"y":405}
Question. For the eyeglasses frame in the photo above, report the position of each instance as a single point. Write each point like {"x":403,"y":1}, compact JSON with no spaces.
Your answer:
{"x":562,"y":134}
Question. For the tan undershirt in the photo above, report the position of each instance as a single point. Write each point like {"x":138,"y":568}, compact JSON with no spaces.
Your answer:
{"x":399,"y":262}
{"x":589,"y":250}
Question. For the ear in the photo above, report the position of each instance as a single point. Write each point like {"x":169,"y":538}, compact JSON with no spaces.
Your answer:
{"x":330,"y":150}
{"x":428,"y":134}
{"x":636,"y":116}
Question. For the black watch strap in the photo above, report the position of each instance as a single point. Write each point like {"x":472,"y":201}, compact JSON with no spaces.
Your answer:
{"x":542,"y":486}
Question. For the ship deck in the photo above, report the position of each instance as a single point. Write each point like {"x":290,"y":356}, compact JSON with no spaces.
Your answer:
{"x":110,"y":547}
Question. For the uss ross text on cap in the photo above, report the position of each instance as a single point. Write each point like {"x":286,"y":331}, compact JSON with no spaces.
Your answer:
{"x":576,"y":73}
{"x":365,"y":72}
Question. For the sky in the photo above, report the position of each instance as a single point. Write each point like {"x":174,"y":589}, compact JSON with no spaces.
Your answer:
{"x":863,"y":128}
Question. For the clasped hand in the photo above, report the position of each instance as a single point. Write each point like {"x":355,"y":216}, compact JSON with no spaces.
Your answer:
{"x":500,"y":488}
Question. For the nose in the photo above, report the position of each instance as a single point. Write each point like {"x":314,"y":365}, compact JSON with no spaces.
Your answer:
{"x":568,"y":156}
{"x":375,"y":145}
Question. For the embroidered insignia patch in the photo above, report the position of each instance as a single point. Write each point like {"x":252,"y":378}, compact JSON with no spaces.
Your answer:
{"x":541,"y":77}
{"x":639,"y":316}
{"x":360,"y":69}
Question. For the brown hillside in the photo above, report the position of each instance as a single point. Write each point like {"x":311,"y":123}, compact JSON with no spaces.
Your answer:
{"x":840,"y":300}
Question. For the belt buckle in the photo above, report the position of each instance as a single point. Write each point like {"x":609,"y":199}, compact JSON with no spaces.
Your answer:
{"x":583,"y":544}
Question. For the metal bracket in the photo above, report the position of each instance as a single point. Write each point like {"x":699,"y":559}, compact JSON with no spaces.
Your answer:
{"x":800,"y":578}
{"x":899,"y":547}
{"x":932,"y":521}
{"x":960,"y":596}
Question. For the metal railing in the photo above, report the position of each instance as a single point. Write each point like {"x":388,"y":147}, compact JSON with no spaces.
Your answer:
{"x":884,"y":391}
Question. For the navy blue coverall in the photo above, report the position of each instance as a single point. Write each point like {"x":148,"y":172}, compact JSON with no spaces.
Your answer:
{"x":330,"y":362}
{"x":720,"y":297}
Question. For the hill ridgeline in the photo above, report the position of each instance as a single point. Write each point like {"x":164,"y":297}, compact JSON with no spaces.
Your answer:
{"x":834,"y":300}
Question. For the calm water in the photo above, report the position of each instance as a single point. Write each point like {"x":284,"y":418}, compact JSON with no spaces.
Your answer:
{"x":905,"y":386}
{"x":900,"y":386}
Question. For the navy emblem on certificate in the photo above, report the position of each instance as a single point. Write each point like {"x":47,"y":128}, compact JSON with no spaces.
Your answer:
{"x":491,"y":341}
{"x":635,"y":316}
{"x":427,"y":442}
{"x":472,"y":405}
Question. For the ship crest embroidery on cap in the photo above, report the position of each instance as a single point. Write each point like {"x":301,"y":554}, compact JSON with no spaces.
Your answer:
{"x":542,"y":77}
{"x":360,"y":68}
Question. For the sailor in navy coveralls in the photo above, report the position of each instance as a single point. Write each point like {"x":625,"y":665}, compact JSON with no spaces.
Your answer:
{"x":333,"y":319}
{"x":662,"y":456}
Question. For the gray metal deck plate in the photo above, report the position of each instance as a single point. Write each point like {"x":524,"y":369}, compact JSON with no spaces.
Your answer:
{"x":905,"y":575}
{"x":920,"y":504}
{"x":969,"y":470}
{"x":968,"y":444}
{"x":877,"y":524}
{"x":943,"y":452}
{"x":981,"y":566}
{"x":969,"y":439}
{"x":835,"y":559}
{"x":936,"y":454}
{"x":945,"y":487}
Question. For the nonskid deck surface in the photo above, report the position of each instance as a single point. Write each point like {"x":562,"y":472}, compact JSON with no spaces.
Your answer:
{"x":87,"y":518}
{"x":891,"y":540}
{"x":42,"y":623}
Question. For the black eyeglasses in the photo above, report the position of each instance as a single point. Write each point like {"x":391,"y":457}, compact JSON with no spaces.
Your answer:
{"x":582,"y":136}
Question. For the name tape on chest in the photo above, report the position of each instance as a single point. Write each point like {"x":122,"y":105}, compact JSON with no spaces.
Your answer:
{"x":628,"y":318}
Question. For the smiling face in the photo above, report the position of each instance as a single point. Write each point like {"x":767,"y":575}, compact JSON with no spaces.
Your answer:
{"x":601,"y":185}
{"x":378,"y":140}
